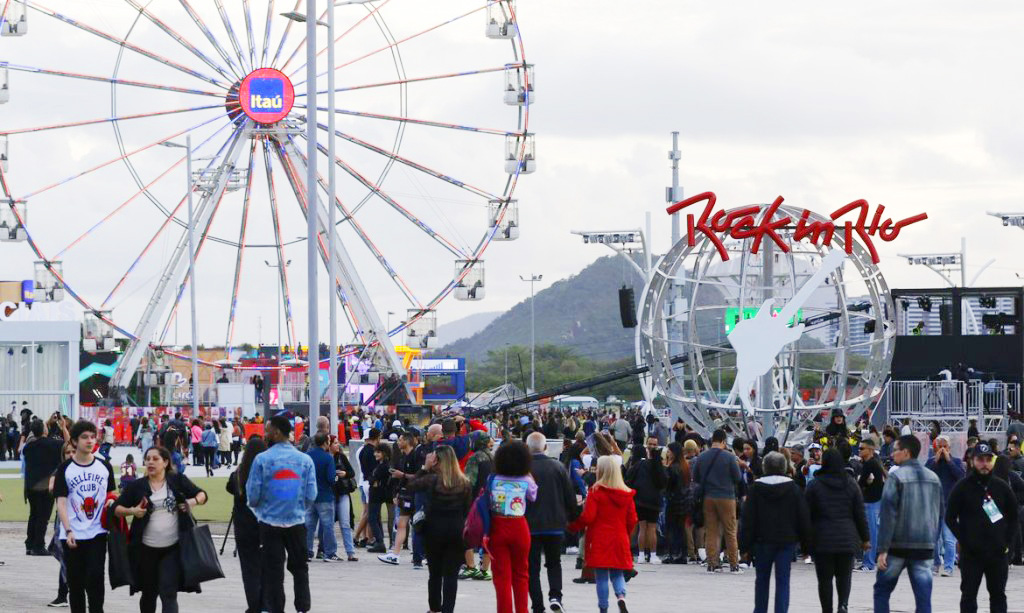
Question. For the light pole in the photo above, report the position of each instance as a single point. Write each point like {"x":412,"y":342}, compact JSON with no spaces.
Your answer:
{"x":191,"y":270}
{"x":311,"y":217}
{"x":280,"y":306}
{"x":533,"y":330}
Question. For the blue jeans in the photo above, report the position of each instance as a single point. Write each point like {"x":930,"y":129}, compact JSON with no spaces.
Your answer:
{"x":418,"y":552}
{"x":781,"y":557}
{"x":603,"y":576}
{"x":342,"y":513}
{"x":920,"y":582}
{"x":871,"y":511}
{"x":945,"y":547}
{"x":322,"y":512}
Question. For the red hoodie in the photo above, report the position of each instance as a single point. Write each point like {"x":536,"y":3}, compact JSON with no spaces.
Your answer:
{"x":609,"y":517}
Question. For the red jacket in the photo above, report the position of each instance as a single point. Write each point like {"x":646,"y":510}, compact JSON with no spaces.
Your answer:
{"x":609,"y":517}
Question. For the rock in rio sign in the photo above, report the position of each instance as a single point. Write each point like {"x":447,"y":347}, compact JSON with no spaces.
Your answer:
{"x":741,"y":223}
{"x":266,"y":96}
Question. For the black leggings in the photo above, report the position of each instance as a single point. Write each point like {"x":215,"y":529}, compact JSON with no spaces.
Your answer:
{"x":445,"y":554}
{"x":829,"y":566}
{"x":159,"y":575}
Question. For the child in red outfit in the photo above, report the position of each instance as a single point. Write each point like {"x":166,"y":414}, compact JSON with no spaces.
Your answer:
{"x":510,"y":491}
{"x":609,"y":518}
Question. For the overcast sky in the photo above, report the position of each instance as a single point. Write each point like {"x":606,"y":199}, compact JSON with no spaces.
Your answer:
{"x":914,"y":105}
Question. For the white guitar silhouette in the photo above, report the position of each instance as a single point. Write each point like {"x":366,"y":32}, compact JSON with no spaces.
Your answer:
{"x":759,"y":340}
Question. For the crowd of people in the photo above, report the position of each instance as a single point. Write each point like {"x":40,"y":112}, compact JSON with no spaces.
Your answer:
{"x":487,"y":498}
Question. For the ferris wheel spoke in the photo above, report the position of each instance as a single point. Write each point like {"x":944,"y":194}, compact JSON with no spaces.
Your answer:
{"x":87,"y":77}
{"x":412,"y":80}
{"x":135,"y":195}
{"x":119,"y":158}
{"x":123,"y":43}
{"x":266,"y":33}
{"x":348,"y":216}
{"x":416,"y":221}
{"x":302,"y":44}
{"x":284,"y":35}
{"x":422,"y":122}
{"x":282,"y":267}
{"x":414,"y":165}
{"x":249,"y":33}
{"x":166,"y":222}
{"x":404,"y":40}
{"x":232,"y":38}
{"x":224,"y":55}
{"x":90,"y":122}
{"x":180,"y":39}
{"x":241,"y":249}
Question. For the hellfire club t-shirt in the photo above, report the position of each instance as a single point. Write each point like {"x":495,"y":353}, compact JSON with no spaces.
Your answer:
{"x":85,"y":487}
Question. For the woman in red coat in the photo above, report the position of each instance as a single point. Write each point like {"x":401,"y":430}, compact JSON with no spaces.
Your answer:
{"x":609,"y":517}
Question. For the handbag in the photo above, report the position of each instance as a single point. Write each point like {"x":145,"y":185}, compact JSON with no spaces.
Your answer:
{"x":478,"y":523}
{"x":119,"y":566}
{"x":198,"y":554}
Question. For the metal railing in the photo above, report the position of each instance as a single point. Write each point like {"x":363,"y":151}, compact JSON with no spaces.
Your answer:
{"x":952,"y":404}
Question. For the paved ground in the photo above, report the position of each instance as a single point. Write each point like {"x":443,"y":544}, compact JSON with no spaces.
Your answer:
{"x":28,"y":583}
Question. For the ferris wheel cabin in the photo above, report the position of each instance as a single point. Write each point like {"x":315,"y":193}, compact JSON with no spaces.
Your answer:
{"x":516,"y":143}
{"x":48,"y":284}
{"x":505,"y":228}
{"x":5,"y":85}
{"x":471,"y":287}
{"x":11,"y":229}
{"x":421,"y":333}
{"x":97,"y":334}
{"x":519,"y":84}
{"x":14,"y":21}
{"x":501,"y":21}
{"x":4,"y":152}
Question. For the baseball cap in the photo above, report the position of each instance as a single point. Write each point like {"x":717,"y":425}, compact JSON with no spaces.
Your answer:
{"x":396,"y":424}
{"x":983,"y":449}
{"x":814,"y":446}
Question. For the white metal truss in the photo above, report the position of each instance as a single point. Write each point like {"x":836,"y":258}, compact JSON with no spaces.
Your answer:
{"x":350,"y":288}
{"x":176,"y":270}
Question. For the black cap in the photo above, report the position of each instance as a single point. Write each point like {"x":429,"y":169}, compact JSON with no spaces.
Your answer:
{"x":983,"y":449}
{"x":281,"y":423}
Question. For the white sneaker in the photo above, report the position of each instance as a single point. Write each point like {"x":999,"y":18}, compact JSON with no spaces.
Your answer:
{"x":807,"y":560}
{"x":389,"y":558}
{"x":945,"y":573}
{"x":655,"y":559}
{"x":556,"y":605}
{"x":572,"y":551}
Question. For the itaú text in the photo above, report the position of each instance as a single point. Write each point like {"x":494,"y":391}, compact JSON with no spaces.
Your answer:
{"x":743,"y":223}
{"x":275,"y":103}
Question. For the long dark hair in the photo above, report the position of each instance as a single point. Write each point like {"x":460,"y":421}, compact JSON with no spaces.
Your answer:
{"x":253,"y":447}
{"x":679,"y":459}
{"x":832,"y":463}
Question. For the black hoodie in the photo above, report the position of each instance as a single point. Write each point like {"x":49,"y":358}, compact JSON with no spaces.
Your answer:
{"x":774,"y":513}
{"x":970,"y":524}
{"x":837,"y":513}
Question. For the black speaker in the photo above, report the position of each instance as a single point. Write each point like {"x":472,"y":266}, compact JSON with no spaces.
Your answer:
{"x":627,"y":307}
{"x":946,"y":318}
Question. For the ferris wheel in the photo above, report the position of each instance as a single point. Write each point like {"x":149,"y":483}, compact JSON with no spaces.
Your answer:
{"x":432,"y":135}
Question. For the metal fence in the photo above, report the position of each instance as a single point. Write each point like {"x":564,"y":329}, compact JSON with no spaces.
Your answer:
{"x":952,"y":404}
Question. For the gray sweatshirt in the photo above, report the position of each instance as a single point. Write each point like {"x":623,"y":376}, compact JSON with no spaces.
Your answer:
{"x":718,"y":477}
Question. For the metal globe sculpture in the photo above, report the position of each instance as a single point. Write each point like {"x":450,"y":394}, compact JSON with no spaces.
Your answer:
{"x":767,"y":330}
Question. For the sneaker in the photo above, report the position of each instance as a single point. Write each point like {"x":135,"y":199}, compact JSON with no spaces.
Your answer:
{"x":744,"y":565}
{"x":389,"y":558}
{"x":556,"y":605}
{"x":376,"y":549}
{"x":864,"y":569}
{"x":735,"y":570}
{"x":654,"y":559}
{"x":59,"y":602}
{"x":469,"y":573}
{"x":484,"y":575}
{"x":582,"y":580}
{"x":935,"y":571}
{"x":622,"y":607}
{"x":808,"y":560}
{"x":572,"y":551}
{"x":639,"y":560}
{"x":945,"y":573}
{"x":417,"y":565}
{"x":332,"y":559}
{"x":712,"y":569}
{"x":352,"y":558}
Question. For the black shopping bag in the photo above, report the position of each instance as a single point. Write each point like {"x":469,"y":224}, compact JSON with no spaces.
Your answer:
{"x":199,"y":561}
{"x":120,"y":569}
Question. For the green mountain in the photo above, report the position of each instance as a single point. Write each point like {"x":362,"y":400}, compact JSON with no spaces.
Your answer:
{"x":580,"y":313}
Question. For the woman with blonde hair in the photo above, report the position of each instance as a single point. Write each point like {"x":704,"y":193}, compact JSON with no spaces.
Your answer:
{"x":609,"y":517}
{"x":449,"y":497}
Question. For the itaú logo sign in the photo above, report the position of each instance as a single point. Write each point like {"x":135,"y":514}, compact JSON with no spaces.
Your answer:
{"x":266,"y":96}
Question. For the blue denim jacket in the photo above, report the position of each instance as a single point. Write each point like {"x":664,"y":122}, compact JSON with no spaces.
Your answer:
{"x":281,"y":486}
{"x":911,"y":510}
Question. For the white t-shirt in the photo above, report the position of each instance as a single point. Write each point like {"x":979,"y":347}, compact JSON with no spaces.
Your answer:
{"x":86,"y":488}
{"x":162,"y":529}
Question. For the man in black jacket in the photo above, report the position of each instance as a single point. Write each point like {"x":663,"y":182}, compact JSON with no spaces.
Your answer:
{"x":871,"y":481}
{"x":548,"y":517}
{"x":42,"y":457}
{"x":982,"y":514}
{"x":775,"y":518}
